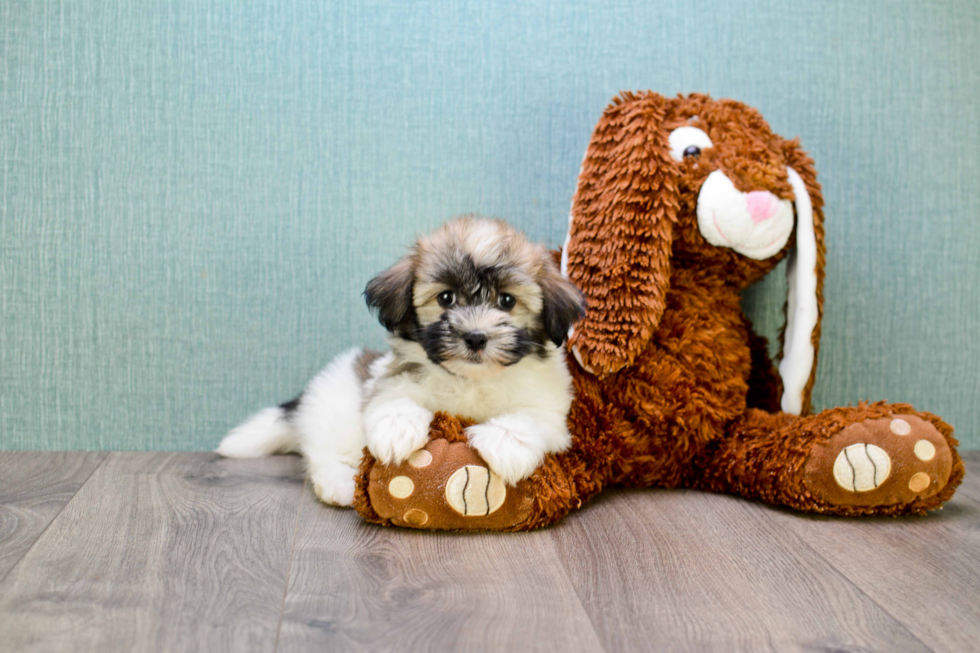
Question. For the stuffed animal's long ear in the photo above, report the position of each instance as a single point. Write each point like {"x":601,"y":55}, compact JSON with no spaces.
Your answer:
{"x":390,"y":294}
{"x":805,"y":276}
{"x":621,"y":233}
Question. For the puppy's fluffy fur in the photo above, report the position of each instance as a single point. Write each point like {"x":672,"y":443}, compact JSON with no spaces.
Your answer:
{"x":477,"y":316}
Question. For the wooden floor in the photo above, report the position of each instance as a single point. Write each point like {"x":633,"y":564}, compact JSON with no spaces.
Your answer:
{"x":191,"y":552}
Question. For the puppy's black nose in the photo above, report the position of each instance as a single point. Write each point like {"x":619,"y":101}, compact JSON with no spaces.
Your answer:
{"x":475,"y":340}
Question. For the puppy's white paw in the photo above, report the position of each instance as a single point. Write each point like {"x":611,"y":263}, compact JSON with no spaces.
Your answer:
{"x":397,"y":429}
{"x":508,"y":452}
{"x":333,"y":483}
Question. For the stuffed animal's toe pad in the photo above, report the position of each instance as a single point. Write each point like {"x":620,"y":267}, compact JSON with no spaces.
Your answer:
{"x":446,"y":486}
{"x":884,"y":461}
{"x":474,"y":490}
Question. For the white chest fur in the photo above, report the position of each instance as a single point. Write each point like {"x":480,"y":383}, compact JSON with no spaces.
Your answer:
{"x":530,"y":384}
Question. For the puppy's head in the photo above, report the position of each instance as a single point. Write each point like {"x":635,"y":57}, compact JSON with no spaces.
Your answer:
{"x":477,"y":296}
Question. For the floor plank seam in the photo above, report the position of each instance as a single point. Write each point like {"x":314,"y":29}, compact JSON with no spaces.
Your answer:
{"x":289,"y":566}
{"x":847,"y":580}
{"x":578,"y":596}
{"x":55,"y":517}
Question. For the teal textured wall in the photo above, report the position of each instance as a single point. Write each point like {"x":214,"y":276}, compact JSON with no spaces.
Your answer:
{"x":193,"y":194}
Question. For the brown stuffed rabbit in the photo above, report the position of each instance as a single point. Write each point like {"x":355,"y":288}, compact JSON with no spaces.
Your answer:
{"x":681,"y":204}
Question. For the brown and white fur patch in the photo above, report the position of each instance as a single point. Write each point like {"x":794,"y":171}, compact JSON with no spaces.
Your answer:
{"x":477,"y":316}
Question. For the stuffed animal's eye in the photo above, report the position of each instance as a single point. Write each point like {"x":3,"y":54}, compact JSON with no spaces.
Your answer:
{"x":688,"y":141}
{"x":506,"y":301}
{"x":446,"y":298}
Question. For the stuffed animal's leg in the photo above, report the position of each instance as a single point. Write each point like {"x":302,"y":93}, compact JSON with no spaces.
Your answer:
{"x":447,"y":485}
{"x":870,"y":459}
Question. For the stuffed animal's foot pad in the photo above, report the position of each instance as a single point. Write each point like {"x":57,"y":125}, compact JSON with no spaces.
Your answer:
{"x":446,"y":486}
{"x":884,"y":461}
{"x":474,"y":490}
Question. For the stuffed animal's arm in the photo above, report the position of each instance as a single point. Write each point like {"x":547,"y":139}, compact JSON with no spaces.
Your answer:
{"x":765,"y":385}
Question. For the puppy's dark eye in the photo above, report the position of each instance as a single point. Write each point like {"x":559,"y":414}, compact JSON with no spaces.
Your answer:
{"x":446,"y":298}
{"x":506,"y":301}
{"x":692,"y":150}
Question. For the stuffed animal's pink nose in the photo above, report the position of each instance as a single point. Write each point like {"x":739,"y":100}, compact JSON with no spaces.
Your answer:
{"x":762,"y":205}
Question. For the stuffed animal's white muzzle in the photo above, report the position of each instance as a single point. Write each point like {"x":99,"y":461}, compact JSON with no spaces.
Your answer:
{"x":756,"y":224}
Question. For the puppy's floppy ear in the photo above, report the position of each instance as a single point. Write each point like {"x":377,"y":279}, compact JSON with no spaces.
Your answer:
{"x":621,"y":232}
{"x":800,"y":335}
{"x":390,"y":294}
{"x":562,"y":304}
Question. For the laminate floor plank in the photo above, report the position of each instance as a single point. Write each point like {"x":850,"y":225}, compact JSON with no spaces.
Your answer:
{"x":167,"y":552}
{"x":191,"y":552}
{"x":675,"y":570}
{"x":924,"y":571}
{"x":358,"y":587}
{"x":34,"y":488}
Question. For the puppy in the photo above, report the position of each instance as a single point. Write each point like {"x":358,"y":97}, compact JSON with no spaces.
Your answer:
{"x":477,"y":316}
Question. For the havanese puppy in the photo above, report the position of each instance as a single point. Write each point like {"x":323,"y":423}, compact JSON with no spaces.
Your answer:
{"x":477,"y":316}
